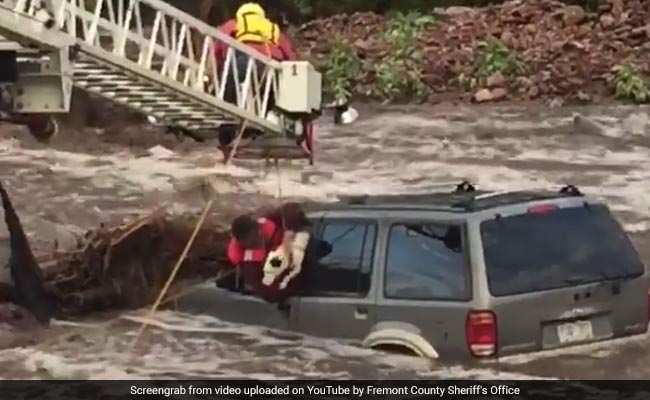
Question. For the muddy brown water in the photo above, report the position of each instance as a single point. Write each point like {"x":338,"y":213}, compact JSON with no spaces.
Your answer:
{"x":84,"y":178}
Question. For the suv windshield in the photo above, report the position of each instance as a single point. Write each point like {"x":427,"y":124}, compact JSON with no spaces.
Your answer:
{"x":566,"y":247}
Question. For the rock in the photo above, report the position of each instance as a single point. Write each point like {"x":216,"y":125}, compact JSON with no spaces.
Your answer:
{"x":607,"y":21}
{"x":160,"y":152}
{"x":585,"y":126}
{"x":533,"y":92}
{"x":458,"y":10}
{"x":617,"y":8}
{"x":556,"y":102}
{"x":496,"y":80}
{"x":563,"y":49}
{"x":485,"y":95}
{"x":573,"y":15}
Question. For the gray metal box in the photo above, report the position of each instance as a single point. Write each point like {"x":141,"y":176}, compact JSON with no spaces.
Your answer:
{"x":300,"y":87}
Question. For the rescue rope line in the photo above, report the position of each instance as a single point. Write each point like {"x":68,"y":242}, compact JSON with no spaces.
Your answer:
{"x":162,"y":293}
{"x":280,"y":197}
{"x":233,"y":149}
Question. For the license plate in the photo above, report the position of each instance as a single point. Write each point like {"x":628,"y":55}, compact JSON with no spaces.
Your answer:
{"x":575,"y":332}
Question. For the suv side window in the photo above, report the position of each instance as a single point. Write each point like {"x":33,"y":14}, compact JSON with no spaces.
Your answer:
{"x":347,"y":269}
{"x":426,"y":262}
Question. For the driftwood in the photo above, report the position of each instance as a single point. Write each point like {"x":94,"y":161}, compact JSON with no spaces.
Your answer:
{"x":126,"y":266}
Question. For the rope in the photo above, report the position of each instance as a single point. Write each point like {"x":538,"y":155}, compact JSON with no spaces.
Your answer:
{"x":174,"y":271}
{"x":280,"y":197}
{"x":238,"y":138}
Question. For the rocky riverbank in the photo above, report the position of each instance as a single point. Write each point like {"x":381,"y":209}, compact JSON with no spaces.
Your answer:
{"x":520,"y":50}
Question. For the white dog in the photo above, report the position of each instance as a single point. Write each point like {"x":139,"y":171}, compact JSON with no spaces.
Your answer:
{"x":289,"y":255}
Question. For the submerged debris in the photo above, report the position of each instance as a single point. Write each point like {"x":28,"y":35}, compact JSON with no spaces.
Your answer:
{"x":557,"y":50}
{"x":126,"y":266}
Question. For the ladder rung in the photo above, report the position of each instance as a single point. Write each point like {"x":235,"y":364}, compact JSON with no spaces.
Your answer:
{"x":104,"y":65}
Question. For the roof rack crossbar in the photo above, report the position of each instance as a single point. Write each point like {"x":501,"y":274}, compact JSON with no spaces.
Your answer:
{"x":493,"y":194}
{"x":463,"y":186}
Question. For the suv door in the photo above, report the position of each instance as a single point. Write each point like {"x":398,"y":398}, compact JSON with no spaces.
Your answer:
{"x":426,"y":282}
{"x":336,"y":300}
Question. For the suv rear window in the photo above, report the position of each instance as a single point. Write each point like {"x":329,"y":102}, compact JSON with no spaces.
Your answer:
{"x":562,"y":248}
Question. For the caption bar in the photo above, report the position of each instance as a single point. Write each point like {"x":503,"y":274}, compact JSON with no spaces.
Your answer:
{"x":347,"y":390}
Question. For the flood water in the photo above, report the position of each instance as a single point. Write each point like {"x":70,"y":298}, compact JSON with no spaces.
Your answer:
{"x":604,"y":150}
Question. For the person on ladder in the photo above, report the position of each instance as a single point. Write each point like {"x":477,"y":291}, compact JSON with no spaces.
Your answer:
{"x":252,"y":27}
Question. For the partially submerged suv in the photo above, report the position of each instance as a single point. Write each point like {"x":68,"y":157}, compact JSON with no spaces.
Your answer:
{"x":461,"y":274}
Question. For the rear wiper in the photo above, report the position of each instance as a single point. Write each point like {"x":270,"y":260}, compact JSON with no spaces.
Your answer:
{"x":604,"y":278}
{"x":575,"y":280}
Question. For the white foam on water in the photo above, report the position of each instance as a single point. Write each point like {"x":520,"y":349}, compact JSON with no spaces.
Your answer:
{"x":596,"y":350}
{"x":459,"y":372}
{"x":391,"y":153}
{"x":146,"y":173}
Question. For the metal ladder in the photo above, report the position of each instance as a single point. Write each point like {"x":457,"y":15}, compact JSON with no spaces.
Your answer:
{"x":156,"y":59}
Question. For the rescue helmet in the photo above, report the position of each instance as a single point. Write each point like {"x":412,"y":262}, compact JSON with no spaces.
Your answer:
{"x":250,"y":8}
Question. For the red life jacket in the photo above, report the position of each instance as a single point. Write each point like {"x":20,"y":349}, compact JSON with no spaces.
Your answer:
{"x":283,"y":51}
{"x":273,"y":237}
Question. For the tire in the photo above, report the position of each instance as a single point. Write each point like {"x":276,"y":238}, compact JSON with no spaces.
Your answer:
{"x":43,"y":128}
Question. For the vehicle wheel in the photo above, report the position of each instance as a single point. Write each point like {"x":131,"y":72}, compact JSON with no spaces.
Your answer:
{"x":43,"y":128}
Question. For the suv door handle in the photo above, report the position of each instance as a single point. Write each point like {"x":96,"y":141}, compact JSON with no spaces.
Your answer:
{"x":361,"y":313}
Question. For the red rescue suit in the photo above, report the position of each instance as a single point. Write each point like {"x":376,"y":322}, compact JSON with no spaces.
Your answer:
{"x":273,"y":236}
{"x":251,"y":260}
{"x":283,"y":51}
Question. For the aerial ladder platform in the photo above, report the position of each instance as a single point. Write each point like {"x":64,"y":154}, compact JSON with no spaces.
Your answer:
{"x":159,"y":61}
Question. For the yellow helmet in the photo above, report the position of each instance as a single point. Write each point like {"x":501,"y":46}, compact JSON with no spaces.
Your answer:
{"x":250,"y":8}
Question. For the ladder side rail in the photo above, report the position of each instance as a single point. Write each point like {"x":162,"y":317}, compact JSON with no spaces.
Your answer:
{"x":176,"y":57}
{"x":177,"y":88}
{"x":208,"y":30}
{"x":182,"y":65}
{"x":122,"y":33}
{"x":166,"y":10}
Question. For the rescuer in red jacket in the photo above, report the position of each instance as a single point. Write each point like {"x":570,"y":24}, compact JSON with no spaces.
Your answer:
{"x":282,"y":231}
{"x":252,"y":27}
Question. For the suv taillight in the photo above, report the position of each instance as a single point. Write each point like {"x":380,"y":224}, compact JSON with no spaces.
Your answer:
{"x":481,"y":331}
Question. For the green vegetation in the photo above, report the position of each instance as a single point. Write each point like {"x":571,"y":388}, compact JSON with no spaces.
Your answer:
{"x":589,"y":5}
{"x":398,"y":75}
{"x":631,"y":84}
{"x":340,"y":70}
{"x":304,"y":7}
{"x":493,"y":57}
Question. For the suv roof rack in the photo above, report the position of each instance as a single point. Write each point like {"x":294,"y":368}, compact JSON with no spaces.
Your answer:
{"x":463,"y":187}
{"x":464,"y":197}
{"x":493,"y":199}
